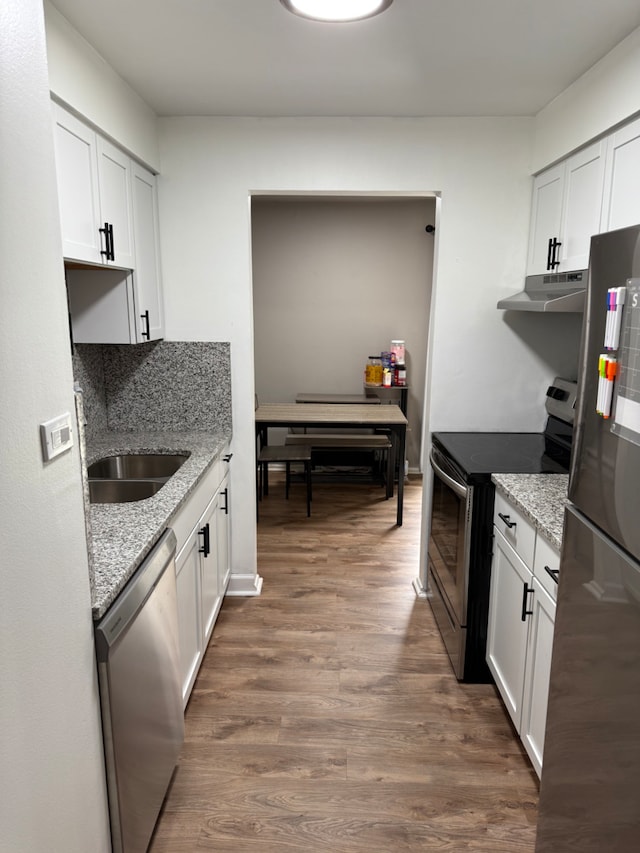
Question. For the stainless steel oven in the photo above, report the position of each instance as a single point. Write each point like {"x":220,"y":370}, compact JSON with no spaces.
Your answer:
{"x":461,"y":535}
{"x":449,"y":543}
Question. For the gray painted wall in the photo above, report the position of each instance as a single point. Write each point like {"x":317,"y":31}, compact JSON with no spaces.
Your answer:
{"x":334,"y":281}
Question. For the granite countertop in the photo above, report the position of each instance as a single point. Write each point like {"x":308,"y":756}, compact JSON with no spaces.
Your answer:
{"x":541,"y":498}
{"x":121,"y":535}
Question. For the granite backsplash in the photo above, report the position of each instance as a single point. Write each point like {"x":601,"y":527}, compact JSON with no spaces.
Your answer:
{"x":157,"y":386}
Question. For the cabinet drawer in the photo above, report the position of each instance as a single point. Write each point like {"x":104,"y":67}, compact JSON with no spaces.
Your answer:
{"x":516,"y":529}
{"x":546,"y":557}
{"x":192,"y":510}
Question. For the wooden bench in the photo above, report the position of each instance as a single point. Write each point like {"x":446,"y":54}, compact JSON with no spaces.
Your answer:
{"x":347,"y":442}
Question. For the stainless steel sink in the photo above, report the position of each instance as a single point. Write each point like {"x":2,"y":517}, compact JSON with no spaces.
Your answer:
{"x":122,"y":491}
{"x":131,"y":476}
{"x":137,"y":466}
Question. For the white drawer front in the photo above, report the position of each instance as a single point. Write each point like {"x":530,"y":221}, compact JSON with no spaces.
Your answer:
{"x":546,"y":560}
{"x":190,"y":512}
{"x":516,"y":529}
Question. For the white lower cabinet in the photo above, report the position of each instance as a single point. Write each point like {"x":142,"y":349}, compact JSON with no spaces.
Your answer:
{"x":507,"y":632}
{"x":189,"y":619}
{"x":224,"y":534}
{"x":521,"y":623}
{"x":202,"y":568}
{"x":536,"y":676}
{"x":211,"y":597}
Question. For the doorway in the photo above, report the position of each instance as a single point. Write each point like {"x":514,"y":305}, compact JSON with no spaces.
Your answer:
{"x":335,"y":279}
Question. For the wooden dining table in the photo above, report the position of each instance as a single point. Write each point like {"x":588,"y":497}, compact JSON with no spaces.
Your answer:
{"x":339,"y":416}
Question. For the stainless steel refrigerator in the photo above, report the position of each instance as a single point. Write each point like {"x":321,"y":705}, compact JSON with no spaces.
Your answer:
{"x":590,"y":785}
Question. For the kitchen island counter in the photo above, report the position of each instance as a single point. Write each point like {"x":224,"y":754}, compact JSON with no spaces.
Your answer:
{"x":542,"y":499}
{"x":120,"y":535}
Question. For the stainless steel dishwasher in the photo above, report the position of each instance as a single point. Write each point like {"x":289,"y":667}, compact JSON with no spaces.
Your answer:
{"x":141,"y":698}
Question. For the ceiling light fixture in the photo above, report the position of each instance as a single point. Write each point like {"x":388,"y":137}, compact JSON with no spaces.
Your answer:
{"x":336,"y":11}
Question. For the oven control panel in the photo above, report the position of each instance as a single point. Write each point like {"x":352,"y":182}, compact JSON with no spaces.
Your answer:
{"x":561,"y":399}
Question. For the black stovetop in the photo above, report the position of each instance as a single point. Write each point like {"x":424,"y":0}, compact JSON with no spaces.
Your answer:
{"x":477,"y":455}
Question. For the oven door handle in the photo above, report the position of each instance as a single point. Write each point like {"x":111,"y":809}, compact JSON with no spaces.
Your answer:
{"x":460,"y":490}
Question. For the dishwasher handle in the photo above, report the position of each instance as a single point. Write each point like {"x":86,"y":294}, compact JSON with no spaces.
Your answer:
{"x":121,"y":613}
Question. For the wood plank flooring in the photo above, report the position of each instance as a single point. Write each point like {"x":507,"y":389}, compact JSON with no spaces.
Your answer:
{"x":326,"y":716}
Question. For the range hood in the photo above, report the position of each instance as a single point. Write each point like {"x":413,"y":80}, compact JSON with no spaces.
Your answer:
{"x":550,"y":292}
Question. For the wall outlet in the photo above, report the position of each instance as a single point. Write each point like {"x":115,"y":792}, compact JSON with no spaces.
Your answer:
{"x":56,"y":436}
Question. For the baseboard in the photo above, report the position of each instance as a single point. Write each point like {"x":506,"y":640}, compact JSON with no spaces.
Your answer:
{"x":244,"y":585}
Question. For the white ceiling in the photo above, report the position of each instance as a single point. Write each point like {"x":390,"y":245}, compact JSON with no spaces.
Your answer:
{"x":420,"y":57}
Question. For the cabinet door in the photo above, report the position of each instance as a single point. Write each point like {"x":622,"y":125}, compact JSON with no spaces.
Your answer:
{"x":546,"y":213}
{"x":582,"y":206}
{"x":210,"y":592}
{"x":622,"y":179}
{"x":147,"y":278}
{"x":189,"y":615}
{"x":77,"y":176}
{"x":507,"y":633}
{"x":114,"y":174}
{"x":536,"y":678}
{"x":224,"y":555}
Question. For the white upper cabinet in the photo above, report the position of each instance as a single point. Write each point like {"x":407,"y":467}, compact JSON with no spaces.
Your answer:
{"x":77,"y":171}
{"x":582,"y":205}
{"x":94,"y":190}
{"x":116,"y":210}
{"x":109,"y":216}
{"x":566,"y":212}
{"x":546,"y":211}
{"x":101,"y":306}
{"x":622,"y":181}
{"x":147,"y":277}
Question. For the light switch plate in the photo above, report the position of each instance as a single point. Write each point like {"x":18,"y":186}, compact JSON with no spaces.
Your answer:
{"x":56,"y":436}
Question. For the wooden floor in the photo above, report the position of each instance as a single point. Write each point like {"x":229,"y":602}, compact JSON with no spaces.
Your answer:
{"x":326,"y":716}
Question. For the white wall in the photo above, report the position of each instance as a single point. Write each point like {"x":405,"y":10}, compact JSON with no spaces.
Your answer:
{"x":80,"y":77}
{"x":52,"y":795}
{"x":607,"y":94}
{"x":211,"y":166}
{"x":335,"y":280}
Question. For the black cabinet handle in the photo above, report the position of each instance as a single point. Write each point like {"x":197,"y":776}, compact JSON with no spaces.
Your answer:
{"x":525,"y":592}
{"x":553,"y":573}
{"x":225,"y":508}
{"x":552,"y":247}
{"x":506,"y":518}
{"x":227,"y":458}
{"x":108,"y":251}
{"x":145,"y":334}
{"x":206,"y":542}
